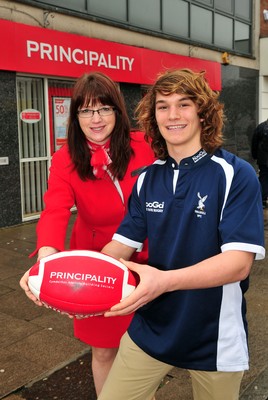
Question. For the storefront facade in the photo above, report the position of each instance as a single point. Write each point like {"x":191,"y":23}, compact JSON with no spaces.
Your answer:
{"x":38,"y":67}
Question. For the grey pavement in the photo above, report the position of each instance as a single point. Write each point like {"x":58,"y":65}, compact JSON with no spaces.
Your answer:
{"x":36,"y":341}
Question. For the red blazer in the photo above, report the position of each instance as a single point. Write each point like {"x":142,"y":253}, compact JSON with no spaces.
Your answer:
{"x":100,"y":208}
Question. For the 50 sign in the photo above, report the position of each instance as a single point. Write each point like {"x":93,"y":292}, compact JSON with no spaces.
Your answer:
{"x":61,"y":106}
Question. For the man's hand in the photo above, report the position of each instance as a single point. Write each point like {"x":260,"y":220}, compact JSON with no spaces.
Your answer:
{"x":152,"y":284}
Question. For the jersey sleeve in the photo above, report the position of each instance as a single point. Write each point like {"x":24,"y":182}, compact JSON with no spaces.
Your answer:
{"x":242,"y":226}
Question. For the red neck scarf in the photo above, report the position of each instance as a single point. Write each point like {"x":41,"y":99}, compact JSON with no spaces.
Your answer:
{"x":100,"y":158}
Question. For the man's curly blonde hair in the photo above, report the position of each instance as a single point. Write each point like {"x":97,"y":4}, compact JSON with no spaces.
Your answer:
{"x":195,"y":87}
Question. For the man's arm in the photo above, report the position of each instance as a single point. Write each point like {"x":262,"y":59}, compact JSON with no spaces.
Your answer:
{"x":118,"y":250}
{"x":228,"y":267}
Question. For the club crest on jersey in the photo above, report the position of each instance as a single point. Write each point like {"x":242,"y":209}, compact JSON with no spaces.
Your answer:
{"x":200,"y":208}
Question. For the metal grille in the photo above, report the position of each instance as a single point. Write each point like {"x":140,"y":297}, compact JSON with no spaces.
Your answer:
{"x":33,"y":146}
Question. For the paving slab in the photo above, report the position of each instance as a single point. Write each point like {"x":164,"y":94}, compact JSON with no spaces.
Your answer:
{"x":47,"y":347}
{"x":14,"y":330}
{"x":16,"y":371}
{"x":57,"y":322}
{"x":258,"y":389}
{"x":17,"y":266}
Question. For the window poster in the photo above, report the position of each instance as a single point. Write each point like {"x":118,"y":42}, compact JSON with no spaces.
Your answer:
{"x":61,"y":107}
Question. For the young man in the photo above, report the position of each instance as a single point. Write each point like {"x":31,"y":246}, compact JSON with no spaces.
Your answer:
{"x":200,"y":208}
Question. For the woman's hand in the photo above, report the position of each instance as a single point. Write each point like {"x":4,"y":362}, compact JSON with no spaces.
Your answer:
{"x":43,"y":252}
{"x":25,"y":287}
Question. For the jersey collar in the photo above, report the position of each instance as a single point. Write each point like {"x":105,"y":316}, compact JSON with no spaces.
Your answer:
{"x":189,"y":162}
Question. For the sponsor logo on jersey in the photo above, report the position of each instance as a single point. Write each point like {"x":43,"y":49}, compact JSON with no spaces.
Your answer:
{"x":197,"y":157}
{"x":200,"y":208}
{"x":155,"y":206}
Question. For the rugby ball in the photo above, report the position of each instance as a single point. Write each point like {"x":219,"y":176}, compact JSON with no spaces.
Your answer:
{"x":80,"y":282}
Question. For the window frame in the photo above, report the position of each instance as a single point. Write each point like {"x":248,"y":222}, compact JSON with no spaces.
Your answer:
{"x":57,"y":6}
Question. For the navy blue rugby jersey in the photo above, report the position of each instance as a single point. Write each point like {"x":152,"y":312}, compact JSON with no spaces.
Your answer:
{"x":190,"y":212}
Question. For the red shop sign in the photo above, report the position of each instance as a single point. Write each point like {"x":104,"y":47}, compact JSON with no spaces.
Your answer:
{"x":43,"y":51}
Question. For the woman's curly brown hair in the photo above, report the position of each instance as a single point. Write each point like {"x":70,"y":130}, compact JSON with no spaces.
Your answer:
{"x":195,"y":86}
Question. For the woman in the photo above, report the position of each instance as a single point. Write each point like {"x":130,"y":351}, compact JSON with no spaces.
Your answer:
{"x":95,"y":171}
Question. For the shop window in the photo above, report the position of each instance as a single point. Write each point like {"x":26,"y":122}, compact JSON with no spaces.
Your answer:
{"x":59,"y":97}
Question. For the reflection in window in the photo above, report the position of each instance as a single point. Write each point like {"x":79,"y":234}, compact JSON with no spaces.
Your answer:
{"x":208,"y":2}
{"x":226,"y":5}
{"x":242,"y":38}
{"x":116,"y":9}
{"x":223,"y":35}
{"x":145,"y":13}
{"x":78,"y":5}
{"x":243,"y":9}
{"x":201,"y":24}
{"x":175,"y":18}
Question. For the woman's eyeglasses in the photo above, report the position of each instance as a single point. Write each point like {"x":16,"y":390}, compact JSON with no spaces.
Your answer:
{"x":88,"y":113}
